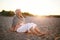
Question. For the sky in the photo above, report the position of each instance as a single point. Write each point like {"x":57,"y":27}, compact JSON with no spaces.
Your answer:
{"x":37,"y":7}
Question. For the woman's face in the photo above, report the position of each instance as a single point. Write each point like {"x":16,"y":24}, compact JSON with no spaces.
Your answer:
{"x":18,"y":12}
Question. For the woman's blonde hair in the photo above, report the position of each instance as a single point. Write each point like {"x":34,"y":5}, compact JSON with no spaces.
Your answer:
{"x":19,"y":10}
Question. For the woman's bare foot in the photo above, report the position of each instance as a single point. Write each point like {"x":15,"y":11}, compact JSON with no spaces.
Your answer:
{"x":40,"y":35}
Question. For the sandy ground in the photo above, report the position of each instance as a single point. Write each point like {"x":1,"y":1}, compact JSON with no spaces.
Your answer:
{"x":49,"y":25}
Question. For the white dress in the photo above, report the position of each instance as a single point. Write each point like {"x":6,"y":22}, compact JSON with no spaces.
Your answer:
{"x":23,"y":27}
{"x":26,"y":27}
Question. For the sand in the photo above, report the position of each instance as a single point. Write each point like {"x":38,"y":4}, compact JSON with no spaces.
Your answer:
{"x":49,"y":25}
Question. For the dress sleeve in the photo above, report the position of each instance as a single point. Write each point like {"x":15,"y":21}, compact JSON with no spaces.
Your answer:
{"x":13,"y":21}
{"x":23,"y":19}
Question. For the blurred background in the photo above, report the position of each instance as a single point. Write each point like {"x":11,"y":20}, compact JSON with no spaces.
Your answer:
{"x":45,"y":13}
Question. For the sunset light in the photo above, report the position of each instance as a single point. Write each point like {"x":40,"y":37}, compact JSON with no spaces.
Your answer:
{"x":36,"y":7}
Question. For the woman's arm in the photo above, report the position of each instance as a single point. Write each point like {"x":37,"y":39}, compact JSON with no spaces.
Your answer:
{"x":17,"y":26}
{"x":23,"y":19}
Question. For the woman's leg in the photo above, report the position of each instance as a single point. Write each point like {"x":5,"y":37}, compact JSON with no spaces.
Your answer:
{"x":37,"y":31}
{"x":33,"y":31}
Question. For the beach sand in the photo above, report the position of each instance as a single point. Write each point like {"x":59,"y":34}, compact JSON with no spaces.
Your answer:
{"x":48,"y":25}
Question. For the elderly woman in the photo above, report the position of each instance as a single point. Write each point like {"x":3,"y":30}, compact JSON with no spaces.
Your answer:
{"x":19,"y":25}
